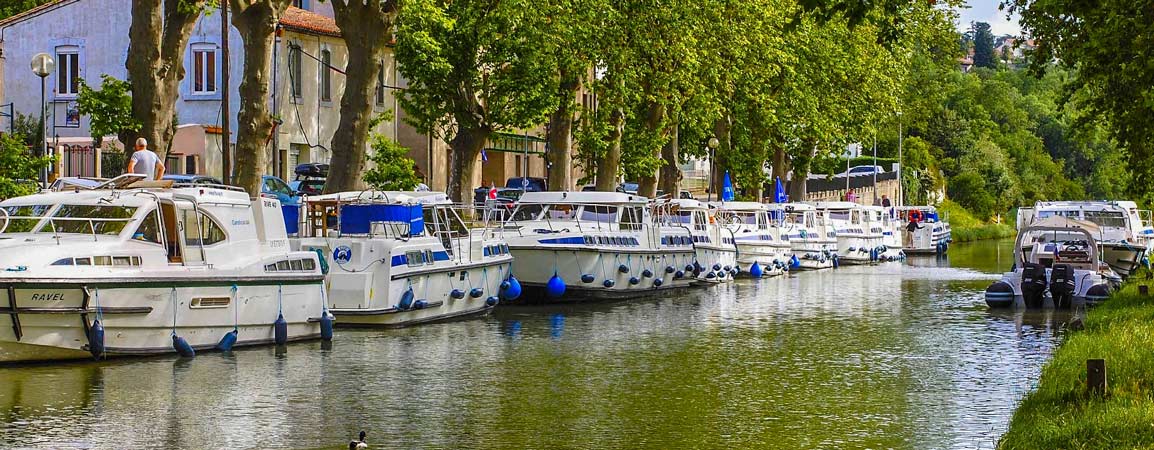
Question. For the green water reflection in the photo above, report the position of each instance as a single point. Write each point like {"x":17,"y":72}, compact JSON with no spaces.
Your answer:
{"x":894,"y":356}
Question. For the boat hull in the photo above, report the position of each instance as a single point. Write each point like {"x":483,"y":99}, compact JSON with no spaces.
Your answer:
{"x":534,"y":266}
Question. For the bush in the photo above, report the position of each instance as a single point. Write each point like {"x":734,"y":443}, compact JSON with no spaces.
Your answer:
{"x":19,"y":169}
{"x":969,"y":190}
{"x":392,"y":168}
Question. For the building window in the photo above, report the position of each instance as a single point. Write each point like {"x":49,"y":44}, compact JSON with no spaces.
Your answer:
{"x":67,"y":70}
{"x":326,"y":76}
{"x":381,"y":84}
{"x":203,"y":69}
{"x":302,"y":4}
{"x":294,"y":61}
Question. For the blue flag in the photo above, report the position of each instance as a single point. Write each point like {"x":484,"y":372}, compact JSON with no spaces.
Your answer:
{"x":484,"y":156}
{"x":727,"y":189}
{"x":779,"y":193}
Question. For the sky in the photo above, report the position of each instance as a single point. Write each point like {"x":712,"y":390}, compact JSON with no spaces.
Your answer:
{"x":987,"y":11}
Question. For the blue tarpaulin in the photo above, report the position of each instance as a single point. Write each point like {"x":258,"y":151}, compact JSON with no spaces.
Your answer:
{"x":292,"y":215}
{"x":356,"y":219}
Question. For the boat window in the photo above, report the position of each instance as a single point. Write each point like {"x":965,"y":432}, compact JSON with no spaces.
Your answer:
{"x":282,"y":265}
{"x":598,"y":213}
{"x":1106,"y":218}
{"x":310,"y":264}
{"x":701,"y":221}
{"x":680,"y":217}
{"x":84,"y":261}
{"x":212,"y":232}
{"x":561,"y":212}
{"x":102,"y":260}
{"x":1045,"y":214}
{"x":121,"y":261}
{"x":87,"y":219}
{"x":528,"y":212}
{"x":149,"y":230}
{"x":22,"y":219}
{"x":839,"y":215}
{"x":632,"y":219}
{"x":63,"y":262}
{"x":297,"y":264}
{"x":747,"y":218}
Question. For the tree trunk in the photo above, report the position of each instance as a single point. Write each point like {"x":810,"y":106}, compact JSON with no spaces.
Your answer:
{"x":361,"y":23}
{"x":654,"y":116}
{"x":256,"y":22}
{"x":720,"y":162}
{"x":608,"y":166}
{"x":670,"y":172}
{"x":560,"y":136}
{"x":797,"y":187}
{"x":157,"y":38}
{"x":466,"y":146}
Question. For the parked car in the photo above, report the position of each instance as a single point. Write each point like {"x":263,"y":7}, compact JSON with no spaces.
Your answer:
{"x":277,"y":188}
{"x":861,"y":170}
{"x":512,"y":190}
{"x":310,"y":178}
{"x":191,"y":179}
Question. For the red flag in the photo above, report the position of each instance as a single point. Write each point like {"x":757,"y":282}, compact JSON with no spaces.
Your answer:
{"x":493,"y":193}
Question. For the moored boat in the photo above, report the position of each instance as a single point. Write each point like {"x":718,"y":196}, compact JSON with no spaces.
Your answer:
{"x":141,"y":268}
{"x":402,"y":258}
{"x":859,"y":239}
{"x":570,"y":246}
{"x":1123,"y":231}
{"x":813,"y":239}
{"x":714,"y":246}
{"x":761,"y":239}
{"x":923,"y":230}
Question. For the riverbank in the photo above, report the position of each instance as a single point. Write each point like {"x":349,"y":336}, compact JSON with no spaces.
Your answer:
{"x":964,"y":227}
{"x":1060,"y":414}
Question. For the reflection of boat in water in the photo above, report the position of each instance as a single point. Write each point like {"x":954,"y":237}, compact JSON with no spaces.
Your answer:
{"x":1123,"y":232}
{"x":930,"y":234}
{"x":141,"y":268}
{"x":1056,"y":259}
{"x":402,"y":258}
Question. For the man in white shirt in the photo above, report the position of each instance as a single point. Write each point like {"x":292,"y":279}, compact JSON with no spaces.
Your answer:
{"x":145,"y":162}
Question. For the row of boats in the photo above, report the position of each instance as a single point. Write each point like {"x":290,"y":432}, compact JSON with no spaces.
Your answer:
{"x":135,"y":267}
{"x":1073,"y":253}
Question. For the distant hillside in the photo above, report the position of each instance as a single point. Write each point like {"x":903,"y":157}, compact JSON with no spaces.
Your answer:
{"x":9,"y":8}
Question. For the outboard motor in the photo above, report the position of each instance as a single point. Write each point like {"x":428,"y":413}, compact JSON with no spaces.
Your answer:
{"x":1033,"y":284}
{"x":1062,"y":285}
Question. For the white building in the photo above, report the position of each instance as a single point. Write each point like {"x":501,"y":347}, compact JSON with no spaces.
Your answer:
{"x":305,"y":94}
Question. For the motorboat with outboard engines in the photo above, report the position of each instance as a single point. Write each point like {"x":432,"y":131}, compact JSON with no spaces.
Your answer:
{"x":1123,"y":232}
{"x":594,"y":245}
{"x":859,"y":238}
{"x":716,"y":251}
{"x":762,"y":240}
{"x":812,"y":238}
{"x":403,"y":258}
{"x":135,"y":267}
{"x":1056,"y":263}
{"x":923,"y":230}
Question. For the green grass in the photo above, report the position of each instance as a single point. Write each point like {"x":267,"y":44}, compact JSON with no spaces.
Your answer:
{"x":964,"y":227}
{"x":1059,"y":414}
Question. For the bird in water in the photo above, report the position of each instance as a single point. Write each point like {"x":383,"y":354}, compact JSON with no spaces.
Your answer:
{"x":359,"y":445}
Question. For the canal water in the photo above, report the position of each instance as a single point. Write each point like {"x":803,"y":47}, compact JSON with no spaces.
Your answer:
{"x":892,"y":356}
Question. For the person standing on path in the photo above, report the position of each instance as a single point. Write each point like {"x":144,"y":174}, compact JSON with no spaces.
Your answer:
{"x":145,"y":161}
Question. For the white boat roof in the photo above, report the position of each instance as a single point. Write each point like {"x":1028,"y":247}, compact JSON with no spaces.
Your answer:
{"x":919,"y":208}
{"x":1097,"y":205}
{"x":134,"y":196}
{"x":837,"y":205}
{"x":740,"y":206}
{"x":684,"y":203}
{"x":387,"y":197}
{"x":586,"y":197}
{"x":1064,"y":222}
{"x":799,"y":207}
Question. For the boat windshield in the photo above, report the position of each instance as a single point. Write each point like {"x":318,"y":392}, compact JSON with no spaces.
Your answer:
{"x":1045,"y":214}
{"x":839,"y":215}
{"x":89,"y":219}
{"x":528,"y":212}
{"x":1106,"y":218}
{"x":679,"y":217}
{"x":598,"y":213}
{"x":748,"y":218}
{"x":22,"y":219}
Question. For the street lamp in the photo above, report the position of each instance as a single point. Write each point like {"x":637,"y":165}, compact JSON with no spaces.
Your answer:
{"x":712,"y":144}
{"x":901,"y":193}
{"x":42,"y":66}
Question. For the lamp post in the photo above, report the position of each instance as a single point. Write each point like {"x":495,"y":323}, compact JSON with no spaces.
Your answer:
{"x":42,"y":66}
{"x":712,"y":144}
{"x":901,"y":192}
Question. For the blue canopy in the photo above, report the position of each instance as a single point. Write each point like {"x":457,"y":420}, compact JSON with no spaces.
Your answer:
{"x":779,"y":193}
{"x":727,"y":189}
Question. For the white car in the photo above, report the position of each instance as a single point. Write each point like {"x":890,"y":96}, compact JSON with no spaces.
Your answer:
{"x":861,"y":170}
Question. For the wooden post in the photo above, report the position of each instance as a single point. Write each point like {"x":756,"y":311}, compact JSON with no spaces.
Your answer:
{"x":1096,"y":376}
{"x":1143,"y":289}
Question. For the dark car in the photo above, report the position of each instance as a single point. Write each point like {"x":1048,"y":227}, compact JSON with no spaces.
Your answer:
{"x":513,"y":189}
{"x":310,"y":178}
{"x":192,"y":179}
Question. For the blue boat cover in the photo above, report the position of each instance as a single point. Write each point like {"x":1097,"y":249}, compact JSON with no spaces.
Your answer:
{"x":356,"y":219}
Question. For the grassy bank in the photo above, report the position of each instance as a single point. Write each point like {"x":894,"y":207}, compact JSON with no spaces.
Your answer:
{"x":1059,"y":414}
{"x":965,"y":227}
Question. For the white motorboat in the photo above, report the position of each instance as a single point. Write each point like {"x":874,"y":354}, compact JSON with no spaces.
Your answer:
{"x":142,"y":268}
{"x":890,"y":228}
{"x":1056,"y":263}
{"x":923,"y":230}
{"x":859,"y":238}
{"x":402,"y":258}
{"x":1123,"y":231}
{"x":761,"y":240}
{"x":812,"y":238}
{"x":578,"y":245}
{"x":716,"y":252}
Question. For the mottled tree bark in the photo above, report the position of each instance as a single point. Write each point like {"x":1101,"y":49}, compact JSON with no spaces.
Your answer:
{"x":654,"y":116}
{"x":560,"y":134}
{"x":670,"y":172}
{"x":256,"y":20}
{"x":608,"y":166}
{"x":800,"y":163}
{"x":157,"y":38}
{"x":466,"y":146}
{"x":364,"y":28}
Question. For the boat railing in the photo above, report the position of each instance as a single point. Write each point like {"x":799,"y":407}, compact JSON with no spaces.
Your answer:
{"x":208,"y":185}
{"x":91,"y":221}
{"x":4,"y":215}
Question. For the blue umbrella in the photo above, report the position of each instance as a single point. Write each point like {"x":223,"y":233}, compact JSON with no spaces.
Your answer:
{"x":779,"y":193}
{"x":727,"y":189}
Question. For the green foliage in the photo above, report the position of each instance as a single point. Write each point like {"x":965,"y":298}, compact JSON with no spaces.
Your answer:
{"x":984,"y":46}
{"x":964,"y":227}
{"x":1059,"y":413}
{"x":12,"y":7}
{"x":19,"y":169}
{"x":109,"y":109}
{"x":27,"y":127}
{"x":970,"y":189}
{"x":392,"y":168}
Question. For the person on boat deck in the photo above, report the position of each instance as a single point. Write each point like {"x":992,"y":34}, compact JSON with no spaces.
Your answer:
{"x":911,"y":228}
{"x":145,"y":161}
